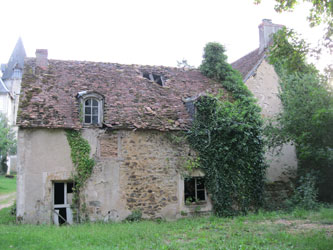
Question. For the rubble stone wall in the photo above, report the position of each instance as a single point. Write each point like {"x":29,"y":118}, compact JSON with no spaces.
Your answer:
{"x":134,"y":170}
{"x":137,"y":170}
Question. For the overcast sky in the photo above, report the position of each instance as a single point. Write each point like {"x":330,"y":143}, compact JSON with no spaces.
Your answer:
{"x":153,"y":32}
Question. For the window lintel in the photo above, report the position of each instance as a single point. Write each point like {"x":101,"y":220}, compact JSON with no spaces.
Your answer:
{"x":90,"y":94}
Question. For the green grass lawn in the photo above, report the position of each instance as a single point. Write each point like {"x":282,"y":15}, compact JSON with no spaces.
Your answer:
{"x":7,"y":185}
{"x":275,"y":230}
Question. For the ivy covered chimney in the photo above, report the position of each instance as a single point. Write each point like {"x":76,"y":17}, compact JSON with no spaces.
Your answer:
{"x":266,"y":31}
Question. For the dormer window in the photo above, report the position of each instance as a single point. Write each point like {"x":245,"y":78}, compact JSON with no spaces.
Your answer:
{"x":92,"y":104}
{"x":91,"y":111}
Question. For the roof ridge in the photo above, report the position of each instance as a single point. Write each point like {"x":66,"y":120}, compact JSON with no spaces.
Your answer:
{"x":112,"y":63}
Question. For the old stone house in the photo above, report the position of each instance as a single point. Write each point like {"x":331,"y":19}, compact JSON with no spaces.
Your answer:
{"x":128,"y":114}
{"x":262,"y":80}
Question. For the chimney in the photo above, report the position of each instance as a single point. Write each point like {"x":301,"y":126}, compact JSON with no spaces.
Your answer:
{"x":41,"y":58}
{"x":266,"y":31}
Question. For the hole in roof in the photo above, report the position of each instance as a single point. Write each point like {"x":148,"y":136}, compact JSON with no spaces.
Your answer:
{"x":159,"y":79}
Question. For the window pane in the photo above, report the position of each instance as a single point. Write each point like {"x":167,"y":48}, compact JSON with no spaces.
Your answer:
{"x":189,"y":190}
{"x":63,"y":214}
{"x":95,"y":119}
{"x":88,"y":102}
{"x":69,"y":187}
{"x":200,"y":183}
{"x":87,"y":111}
{"x":201,"y":195}
{"x":95,"y":111}
{"x":87,"y":119}
{"x":91,"y":111}
{"x":59,"y":193}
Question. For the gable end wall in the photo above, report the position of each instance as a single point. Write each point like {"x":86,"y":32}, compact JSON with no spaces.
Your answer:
{"x":264,"y":85}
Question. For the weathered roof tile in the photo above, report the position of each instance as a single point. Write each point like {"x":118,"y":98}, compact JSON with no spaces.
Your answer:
{"x":49,"y":97}
{"x":248,"y":63}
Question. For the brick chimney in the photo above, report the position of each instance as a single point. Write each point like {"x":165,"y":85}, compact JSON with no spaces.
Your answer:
{"x":266,"y":31}
{"x":41,"y":58}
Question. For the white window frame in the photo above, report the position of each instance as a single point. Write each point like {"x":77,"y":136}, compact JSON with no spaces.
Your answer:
{"x":56,"y":207}
{"x":92,"y":99}
{"x":196,"y":190}
{"x":100,"y":100}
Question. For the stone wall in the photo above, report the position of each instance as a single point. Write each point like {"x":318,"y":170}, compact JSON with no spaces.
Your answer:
{"x":149,"y":173}
{"x":137,"y":170}
{"x":134,"y":170}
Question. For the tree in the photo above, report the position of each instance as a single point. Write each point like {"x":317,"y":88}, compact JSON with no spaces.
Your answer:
{"x":184,"y":64}
{"x":321,"y":11}
{"x":7,"y":141}
{"x":307,"y":114}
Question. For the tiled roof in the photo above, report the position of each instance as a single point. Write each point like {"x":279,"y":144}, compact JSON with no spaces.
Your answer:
{"x":48,"y":97}
{"x":248,"y":63}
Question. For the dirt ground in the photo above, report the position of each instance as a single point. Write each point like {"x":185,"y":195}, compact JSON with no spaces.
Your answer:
{"x":296,"y":226}
{"x":6,"y":200}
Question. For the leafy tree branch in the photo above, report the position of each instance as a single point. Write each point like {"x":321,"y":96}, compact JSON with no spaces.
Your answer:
{"x":307,"y":98}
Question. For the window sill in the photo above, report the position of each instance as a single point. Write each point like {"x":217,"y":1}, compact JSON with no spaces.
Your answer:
{"x":194,"y":204}
{"x":85,"y":125}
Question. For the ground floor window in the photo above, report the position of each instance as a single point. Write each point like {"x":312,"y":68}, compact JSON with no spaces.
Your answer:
{"x":194,"y":190}
{"x":63,"y":195}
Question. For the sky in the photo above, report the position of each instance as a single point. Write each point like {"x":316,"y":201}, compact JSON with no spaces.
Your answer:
{"x":147,"y":32}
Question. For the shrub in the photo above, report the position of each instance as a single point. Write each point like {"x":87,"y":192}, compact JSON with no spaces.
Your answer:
{"x":305,"y":195}
{"x":136,"y":215}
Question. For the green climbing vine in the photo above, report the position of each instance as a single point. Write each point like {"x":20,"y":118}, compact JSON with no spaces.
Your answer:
{"x":83,"y":164}
{"x":228,"y":138}
{"x":307,"y":115}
